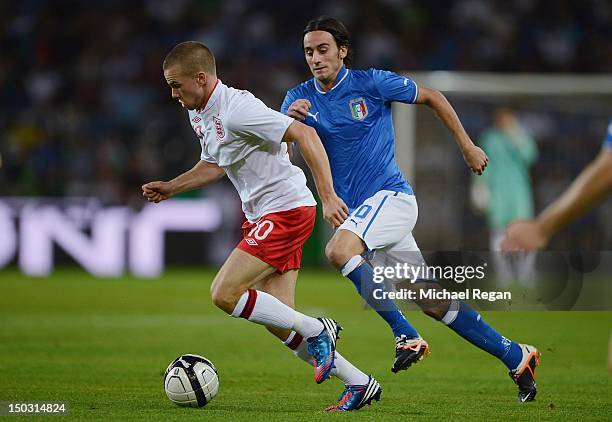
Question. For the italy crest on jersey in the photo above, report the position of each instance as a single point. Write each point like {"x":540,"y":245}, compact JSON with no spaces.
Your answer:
{"x":359,"y":109}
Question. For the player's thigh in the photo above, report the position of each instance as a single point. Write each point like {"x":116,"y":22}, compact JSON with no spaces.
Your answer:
{"x":383,"y":219}
{"x":240,"y":271}
{"x":404,"y":252}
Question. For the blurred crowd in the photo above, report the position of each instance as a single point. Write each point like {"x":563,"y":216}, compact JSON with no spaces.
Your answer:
{"x":85,"y":110}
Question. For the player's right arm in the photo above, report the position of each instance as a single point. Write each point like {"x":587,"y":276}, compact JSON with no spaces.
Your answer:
{"x":202,"y":174}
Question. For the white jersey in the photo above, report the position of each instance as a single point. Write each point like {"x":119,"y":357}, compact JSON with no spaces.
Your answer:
{"x":239,"y":133}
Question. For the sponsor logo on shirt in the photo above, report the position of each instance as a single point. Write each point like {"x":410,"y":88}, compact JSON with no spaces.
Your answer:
{"x":219,"y":129}
{"x":359,"y":109}
{"x":314,"y":116}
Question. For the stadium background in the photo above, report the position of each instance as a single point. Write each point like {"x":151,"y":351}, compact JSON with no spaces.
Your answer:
{"x":85,"y":113}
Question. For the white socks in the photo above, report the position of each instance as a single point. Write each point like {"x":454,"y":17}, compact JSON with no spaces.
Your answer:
{"x":351,"y":265}
{"x":300,"y":348}
{"x":263,"y":308}
{"x":343,"y":369}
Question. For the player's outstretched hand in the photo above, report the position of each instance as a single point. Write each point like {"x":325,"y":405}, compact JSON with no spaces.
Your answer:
{"x":157,"y":191}
{"x":299,"y":109}
{"x":524,"y":235}
{"x":335,"y":211}
{"x":476,"y":159}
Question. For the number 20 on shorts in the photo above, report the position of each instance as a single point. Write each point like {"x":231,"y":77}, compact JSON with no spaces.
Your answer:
{"x":261,"y":230}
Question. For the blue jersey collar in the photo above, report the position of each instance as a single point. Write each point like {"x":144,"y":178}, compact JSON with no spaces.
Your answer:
{"x":342,"y":74}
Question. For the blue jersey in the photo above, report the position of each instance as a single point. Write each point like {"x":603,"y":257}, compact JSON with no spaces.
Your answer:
{"x":354,"y":122}
{"x":607,"y":143}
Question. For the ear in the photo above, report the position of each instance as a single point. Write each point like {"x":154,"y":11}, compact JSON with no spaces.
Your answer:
{"x":201,"y":78}
{"x":343,"y":52}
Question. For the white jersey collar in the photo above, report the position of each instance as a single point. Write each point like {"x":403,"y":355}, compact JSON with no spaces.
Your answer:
{"x":342,"y":74}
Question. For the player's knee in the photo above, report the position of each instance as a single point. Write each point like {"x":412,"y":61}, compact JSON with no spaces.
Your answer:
{"x":436,"y":310}
{"x":435,"y":313}
{"x":336,"y":254}
{"x":223,"y":299}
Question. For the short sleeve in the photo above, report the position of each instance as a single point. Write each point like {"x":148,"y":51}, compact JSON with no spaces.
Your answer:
{"x":393,"y":87}
{"x":205,"y":156}
{"x":289,"y":99}
{"x":251,"y":118}
{"x":607,"y":143}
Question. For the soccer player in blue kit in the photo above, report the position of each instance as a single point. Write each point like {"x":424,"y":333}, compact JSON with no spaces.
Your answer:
{"x":351,"y":111}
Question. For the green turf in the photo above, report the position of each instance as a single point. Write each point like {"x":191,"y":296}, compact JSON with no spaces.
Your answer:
{"x":102,"y":345}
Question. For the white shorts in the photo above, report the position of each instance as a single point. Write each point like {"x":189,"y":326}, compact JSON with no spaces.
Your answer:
{"x":385,"y":222}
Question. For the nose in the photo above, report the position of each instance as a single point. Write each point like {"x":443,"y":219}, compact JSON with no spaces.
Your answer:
{"x":175,"y":93}
{"x":316,"y":58}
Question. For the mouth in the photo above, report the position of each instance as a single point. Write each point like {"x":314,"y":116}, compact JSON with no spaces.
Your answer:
{"x":319,"y":69}
{"x":182,"y":103}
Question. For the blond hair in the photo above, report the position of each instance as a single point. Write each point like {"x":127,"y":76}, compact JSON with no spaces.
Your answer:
{"x":193,"y":57}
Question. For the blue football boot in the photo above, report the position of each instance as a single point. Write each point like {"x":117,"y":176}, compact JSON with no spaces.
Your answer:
{"x":323,"y":348}
{"x":354,"y":397}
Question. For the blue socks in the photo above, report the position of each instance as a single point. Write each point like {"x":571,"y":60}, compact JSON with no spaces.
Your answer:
{"x":361,"y":274}
{"x":468,"y":323}
{"x":460,"y":317}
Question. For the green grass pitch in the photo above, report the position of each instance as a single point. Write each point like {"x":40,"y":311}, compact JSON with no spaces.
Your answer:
{"x":102,"y":346}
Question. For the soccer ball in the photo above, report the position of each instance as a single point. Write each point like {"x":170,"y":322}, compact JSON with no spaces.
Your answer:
{"x":191,"y":380}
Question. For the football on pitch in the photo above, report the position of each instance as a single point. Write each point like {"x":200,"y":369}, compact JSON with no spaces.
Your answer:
{"x":191,"y":380}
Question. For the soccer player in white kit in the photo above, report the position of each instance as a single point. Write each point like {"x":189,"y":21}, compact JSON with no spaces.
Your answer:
{"x":243,"y":138}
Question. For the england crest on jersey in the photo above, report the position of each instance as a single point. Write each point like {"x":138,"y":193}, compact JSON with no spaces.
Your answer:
{"x":219,"y":128}
{"x":359,"y":109}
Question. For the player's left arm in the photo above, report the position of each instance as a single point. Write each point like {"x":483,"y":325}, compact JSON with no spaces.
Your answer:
{"x":335,"y":210}
{"x":474,"y":157}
